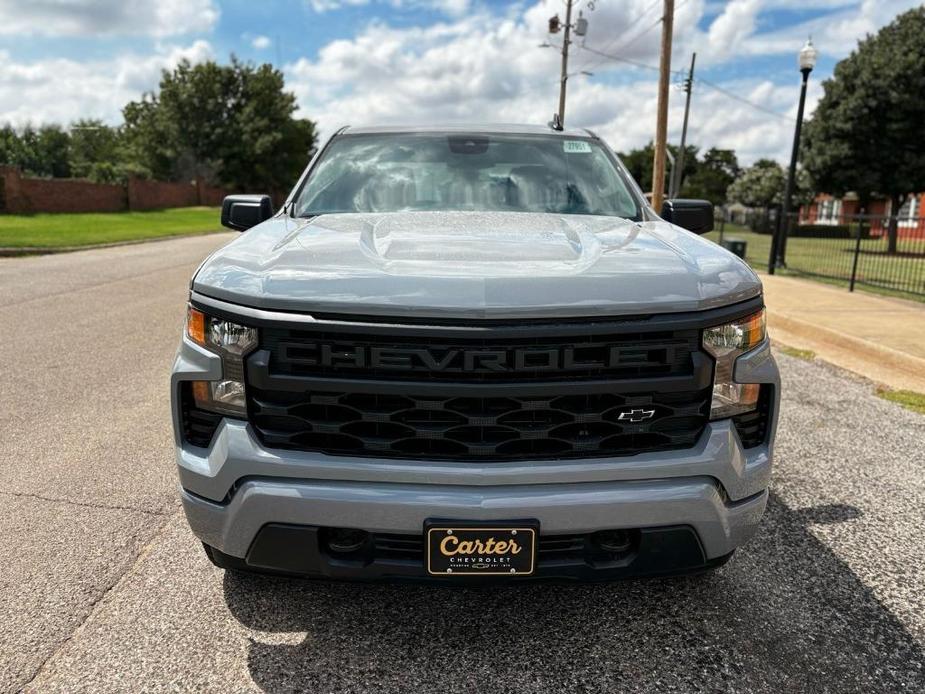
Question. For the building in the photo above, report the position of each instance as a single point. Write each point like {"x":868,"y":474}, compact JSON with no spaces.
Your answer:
{"x":826,"y":209}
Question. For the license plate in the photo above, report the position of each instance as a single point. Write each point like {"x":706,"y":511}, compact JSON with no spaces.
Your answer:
{"x":455,"y":549}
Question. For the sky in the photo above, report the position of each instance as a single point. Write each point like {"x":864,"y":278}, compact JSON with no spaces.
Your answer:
{"x":423,"y":61}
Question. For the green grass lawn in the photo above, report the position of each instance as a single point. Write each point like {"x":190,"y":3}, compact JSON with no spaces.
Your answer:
{"x":85,"y":229}
{"x":830,"y":261}
{"x":907,"y":398}
{"x":804,"y":354}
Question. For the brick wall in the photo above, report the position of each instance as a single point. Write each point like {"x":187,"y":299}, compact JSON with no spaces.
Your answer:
{"x":210,"y":195}
{"x":27,"y":195}
{"x":24,"y":195}
{"x":66,"y":195}
{"x":157,"y":195}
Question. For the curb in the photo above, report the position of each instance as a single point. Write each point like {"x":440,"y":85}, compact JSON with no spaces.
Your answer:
{"x":884,"y":357}
{"x":17,"y":251}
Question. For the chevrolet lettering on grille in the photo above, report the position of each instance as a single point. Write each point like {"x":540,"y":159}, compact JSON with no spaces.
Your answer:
{"x":461,"y":359}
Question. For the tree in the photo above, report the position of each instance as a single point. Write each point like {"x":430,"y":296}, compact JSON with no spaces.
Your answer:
{"x":10,"y":146}
{"x":761,"y":185}
{"x":866,"y":132}
{"x":144,"y":138}
{"x":639,"y":163}
{"x":51,"y":147}
{"x":96,"y":151}
{"x":40,"y":152}
{"x":714,"y":174}
{"x":230,"y":124}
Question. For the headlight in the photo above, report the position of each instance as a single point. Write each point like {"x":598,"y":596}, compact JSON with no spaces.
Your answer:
{"x":232,"y":341}
{"x":219,"y":334}
{"x":727,"y":343}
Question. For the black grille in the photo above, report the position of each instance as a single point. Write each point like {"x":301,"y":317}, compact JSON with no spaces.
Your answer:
{"x":511,"y":427}
{"x":753,"y":426}
{"x":481,"y":392}
{"x":402,"y":547}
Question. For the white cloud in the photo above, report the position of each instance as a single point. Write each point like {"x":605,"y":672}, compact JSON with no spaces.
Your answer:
{"x":489,"y":68}
{"x":736,"y":30}
{"x":61,"y":90}
{"x":835,"y":34}
{"x":329,"y":5}
{"x":732,"y":28}
{"x":453,"y":8}
{"x":486,"y":66}
{"x":478,"y":64}
{"x":106,"y":17}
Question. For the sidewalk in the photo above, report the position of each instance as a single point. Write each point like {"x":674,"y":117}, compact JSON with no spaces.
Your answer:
{"x":878,"y":337}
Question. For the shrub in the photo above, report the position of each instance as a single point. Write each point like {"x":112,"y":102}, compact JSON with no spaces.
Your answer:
{"x":828,"y":231}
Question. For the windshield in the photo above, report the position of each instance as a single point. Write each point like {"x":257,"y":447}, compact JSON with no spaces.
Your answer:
{"x":459,"y":172}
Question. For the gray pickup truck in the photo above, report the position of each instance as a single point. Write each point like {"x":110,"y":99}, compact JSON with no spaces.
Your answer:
{"x":463,"y":354}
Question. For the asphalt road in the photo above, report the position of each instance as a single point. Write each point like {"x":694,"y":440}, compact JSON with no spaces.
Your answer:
{"x":105,"y":589}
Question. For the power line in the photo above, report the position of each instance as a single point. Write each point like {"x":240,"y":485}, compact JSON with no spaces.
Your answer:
{"x":742,"y":99}
{"x":627,"y":44}
{"x":638,"y":36}
{"x":700,"y":80}
{"x":636,"y":21}
{"x":605,"y":55}
{"x":628,"y":61}
{"x":616,"y":39}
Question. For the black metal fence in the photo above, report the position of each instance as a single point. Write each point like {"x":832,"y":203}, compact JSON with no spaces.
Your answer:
{"x":872,"y":251}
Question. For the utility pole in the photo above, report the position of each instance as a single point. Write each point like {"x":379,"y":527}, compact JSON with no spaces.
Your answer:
{"x":581,"y":28}
{"x":661,"y":126}
{"x":563,"y":79}
{"x":677,"y":171}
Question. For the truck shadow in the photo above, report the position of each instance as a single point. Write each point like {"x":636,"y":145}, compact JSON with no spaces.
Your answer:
{"x":785,"y":615}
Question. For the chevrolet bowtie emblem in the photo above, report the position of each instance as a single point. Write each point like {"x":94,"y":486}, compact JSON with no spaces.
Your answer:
{"x":639,"y":415}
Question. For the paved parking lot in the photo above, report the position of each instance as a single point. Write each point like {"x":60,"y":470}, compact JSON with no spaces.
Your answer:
{"x":106,"y":589}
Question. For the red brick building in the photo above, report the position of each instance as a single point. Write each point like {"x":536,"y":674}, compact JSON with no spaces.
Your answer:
{"x":827,"y":209}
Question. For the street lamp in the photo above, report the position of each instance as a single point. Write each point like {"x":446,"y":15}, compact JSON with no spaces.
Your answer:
{"x":808,"y":55}
{"x":807,"y":61}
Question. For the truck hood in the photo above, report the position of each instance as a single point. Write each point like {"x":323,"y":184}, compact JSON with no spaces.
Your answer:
{"x":474,"y":265}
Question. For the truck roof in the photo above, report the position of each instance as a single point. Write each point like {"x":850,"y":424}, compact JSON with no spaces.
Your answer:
{"x":486,"y":128}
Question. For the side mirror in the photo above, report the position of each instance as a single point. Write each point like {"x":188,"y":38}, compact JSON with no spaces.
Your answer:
{"x":241,"y":212}
{"x":693,"y":215}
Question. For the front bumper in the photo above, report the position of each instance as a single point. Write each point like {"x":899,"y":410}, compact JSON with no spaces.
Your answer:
{"x":716,"y":492}
{"x":696,"y":506}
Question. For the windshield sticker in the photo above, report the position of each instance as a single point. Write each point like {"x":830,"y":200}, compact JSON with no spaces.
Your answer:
{"x":576,"y":147}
